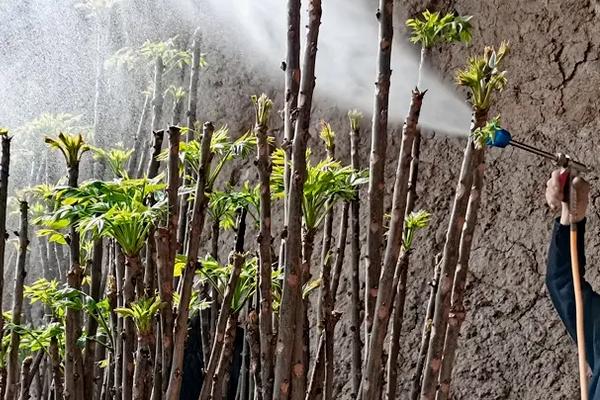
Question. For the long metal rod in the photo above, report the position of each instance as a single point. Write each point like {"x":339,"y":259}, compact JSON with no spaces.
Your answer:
{"x":534,"y":150}
{"x":562,"y":160}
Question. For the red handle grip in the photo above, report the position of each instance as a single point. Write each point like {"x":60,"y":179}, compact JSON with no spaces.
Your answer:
{"x":564,"y":180}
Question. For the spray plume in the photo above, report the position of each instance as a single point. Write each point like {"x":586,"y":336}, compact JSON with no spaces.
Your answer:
{"x":50,"y":55}
{"x":346,"y":62}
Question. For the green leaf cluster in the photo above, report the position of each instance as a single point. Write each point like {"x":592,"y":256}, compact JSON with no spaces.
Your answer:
{"x":58,"y":298}
{"x":483,"y":76}
{"x":71,"y":146}
{"x":119,"y":209}
{"x":486,"y":134}
{"x":223,"y":149}
{"x":222,"y":205}
{"x":414,"y":222}
{"x":432,"y":28}
{"x":142,"y":311}
{"x":169,"y":50}
{"x":262,"y":108}
{"x":355,"y":118}
{"x":217,"y":275}
{"x":326,"y":180}
{"x":176,"y":92}
{"x":115,"y":158}
{"x":327,"y":135}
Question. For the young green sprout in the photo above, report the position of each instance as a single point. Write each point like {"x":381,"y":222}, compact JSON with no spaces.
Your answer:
{"x":327,"y":135}
{"x":262,"y":107}
{"x":355,"y":118}
{"x":483,"y":76}
{"x":129,"y":58}
{"x":218,"y":275}
{"x":176,"y":92}
{"x":326,"y":180}
{"x":486,"y":134}
{"x":115,"y":158}
{"x":432,"y":29}
{"x":142,"y":312}
{"x":71,"y":146}
{"x":415,"y":221}
{"x":169,"y":51}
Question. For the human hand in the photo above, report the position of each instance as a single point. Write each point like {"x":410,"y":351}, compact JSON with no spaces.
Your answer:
{"x":555,"y":194}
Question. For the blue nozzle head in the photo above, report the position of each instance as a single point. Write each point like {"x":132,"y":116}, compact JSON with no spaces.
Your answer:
{"x":501,"y":139}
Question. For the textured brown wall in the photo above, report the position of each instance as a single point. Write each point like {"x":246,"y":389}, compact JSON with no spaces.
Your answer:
{"x":513,"y":345}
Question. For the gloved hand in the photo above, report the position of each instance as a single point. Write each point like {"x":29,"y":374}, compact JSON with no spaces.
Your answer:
{"x":555,"y":193}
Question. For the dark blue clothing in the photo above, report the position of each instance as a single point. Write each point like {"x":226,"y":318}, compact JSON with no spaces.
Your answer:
{"x":559,"y":280}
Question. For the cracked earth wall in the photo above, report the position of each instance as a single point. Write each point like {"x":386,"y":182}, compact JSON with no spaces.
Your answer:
{"x":513,"y":345}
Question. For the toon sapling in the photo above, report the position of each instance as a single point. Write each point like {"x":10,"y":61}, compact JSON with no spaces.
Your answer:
{"x":481,"y":137}
{"x":4,"y":173}
{"x":142,"y":312}
{"x":223,"y":150}
{"x":379,"y":133}
{"x":483,"y":77}
{"x":119,"y":211}
{"x":177,"y":94}
{"x":116,"y":159}
{"x":431,"y":29}
{"x":12,"y":376}
{"x":166,"y":56}
{"x":355,"y":119}
{"x":195,"y":229}
{"x":197,"y":62}
{"x":318,"y":385}
{"x":89,"y":353}
{"x":166,"y":249}
{"x":287,"y":361}
{"x":326,"y":183}
{"x":222,"y":340}
{"x":72,"y":148}
{"x":292,"y":87}
{"x":263,"y":107}
{"x":428,"y":30}
{"x":160,"y":58}
{"x":427,"y":320}
{"x":414,"y":222}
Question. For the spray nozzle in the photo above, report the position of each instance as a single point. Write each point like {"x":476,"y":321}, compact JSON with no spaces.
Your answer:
{"x":503,"y":138}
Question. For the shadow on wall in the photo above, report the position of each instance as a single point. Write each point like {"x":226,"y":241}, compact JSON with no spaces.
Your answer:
{"x":193,"y":364}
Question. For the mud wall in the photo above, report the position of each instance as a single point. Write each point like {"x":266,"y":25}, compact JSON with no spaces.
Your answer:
{"x":513,"y":345}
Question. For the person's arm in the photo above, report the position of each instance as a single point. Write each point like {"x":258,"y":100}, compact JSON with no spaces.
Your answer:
{"x":559,"y":276}
{"x":559,"y":280}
